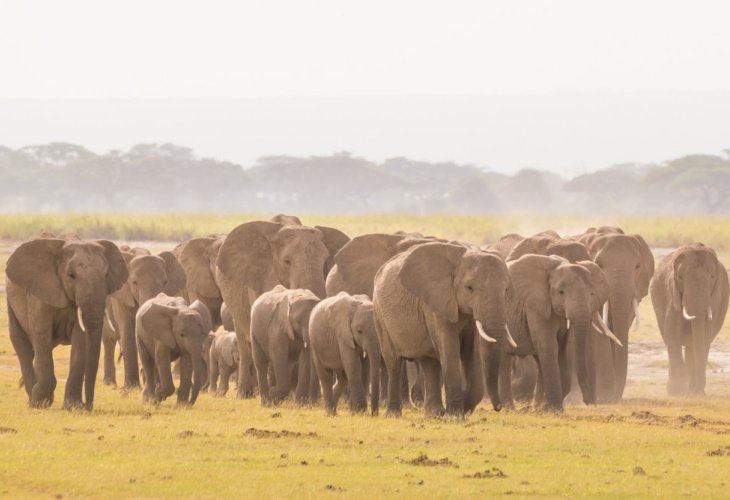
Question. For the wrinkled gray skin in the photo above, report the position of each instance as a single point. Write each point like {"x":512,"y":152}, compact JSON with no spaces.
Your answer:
{"x":690,"y":278}
{"x":197,"y":257}
{"x":344,"y":342}
{"x":168,"y":328}
{"x":355,"y":266}
{"x":426,"y":301}
{"x":51,"y":284}
{"x":280,"y":338}
{"x":546,"y":292}
{"x":257,"y":256}
{"x":224,"y":357}
{"x":149,"y":275}
{"x":628,"y":265}
{"x":226,"y":318}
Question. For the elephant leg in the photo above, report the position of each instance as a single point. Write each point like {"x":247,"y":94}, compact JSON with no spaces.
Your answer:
{"x":110,"y":369}
{"x":525,"y":380}
{"x":505,"y":380}
{"x":677,"y":383}
{"x":74,"y":382}
{"x":283,"y":377}
{"x":314,"y":389}
{"x":352,"y":364}
{"x":261,"y":362}
{"x":24,"y":350}
{"x":547,"y":349}
{"x":148,"y":365}
{"x":213,"y":375}
{"x":451,"y":372}
{"x":246,"y":378}
{"x":301,"y":393}
{"x":700,"y":351}
{"x":605,"y":369}
{"x":432,"y":404}
{"x":186,"y":378}
{"x":404,"y":388}
{"x":341,"y":387}
{"x":126,"y":322}
{"x":395,"y":401}
{"x":326,"y":379}
{"x":415,"y":375}
{"x":225,"y":372}
{"x":470,"y":361}
{"x":162,"y":362}
{"x":565,"y":366}
{"x":42,"y":392}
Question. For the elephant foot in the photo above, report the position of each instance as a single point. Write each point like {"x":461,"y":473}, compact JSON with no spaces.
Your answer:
{"x":244,"y":394}
{"x":495,"y":406}
{"x":73,"y":404}
{"x":434,"y":411}
{"x":40,"y":402}
{"x":393,"y":413}
{"x":331,"y":412}
{"x":184,"y":404}
{"x":552,"y":408}
{"x":110,"y":381}
{"x":131,"y":386}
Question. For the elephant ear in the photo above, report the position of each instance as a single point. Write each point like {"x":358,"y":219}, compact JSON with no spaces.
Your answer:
{"x":598,"y":278}
{"x":124,"y":295}
{"x":157,"y":321}
{"x":246,"y":258}
{"x":286,"y":220}
{"x":428,"y":273}
{"x":647,"y":267}
{"x":175,"y":273}
{"x":533,"y":244}
{"x":118,"y":270}
{"x":204,"y":313}
{"x":195,"y":261}
{"x":34,"y":266}
{"x":334,"y":240}
{"x":530,"y":275}
{"x":359,"y":260}
{"x":574,"y":251}
{"x":340,"y":315}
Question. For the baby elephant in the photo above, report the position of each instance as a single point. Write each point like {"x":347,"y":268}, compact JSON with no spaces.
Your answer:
{"x":343,"y":337}
{"x":168,"y":328}
{"x":280,"y":335}
{"x":224,"y":358}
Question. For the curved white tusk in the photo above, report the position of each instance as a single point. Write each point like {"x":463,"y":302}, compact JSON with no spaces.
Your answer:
{"x":305,"y":344}
{"x":80,"y":315}
{"x":568,"y":323}
{"x":509,"y":337}
{"x":637,"y":323}
{"x":608,"y":333}
{"x":364,"y":355}
{"x":605,"y":312}
{"x":709,"y":313}
{"x":596,"y":327}
{"x":686,"y":315}
{"x":482,"y":333}
{"x":109,"y":321}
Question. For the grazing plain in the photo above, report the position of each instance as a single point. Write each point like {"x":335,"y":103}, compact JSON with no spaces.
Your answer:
{"x":648,"y":445}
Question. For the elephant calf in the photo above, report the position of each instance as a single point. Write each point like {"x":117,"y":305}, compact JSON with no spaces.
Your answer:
{"x":342,"y":334}
{"x":280,"y":336}
{"x":168,"y":328}
{"x":224,"y":359}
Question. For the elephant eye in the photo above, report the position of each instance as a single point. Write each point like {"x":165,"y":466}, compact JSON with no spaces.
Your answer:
{"x":360,"y":332}
{"x":637,"y":266}
{"x":470,"y":288}
{"x":72,"y":275}
{"x":561,"y":292}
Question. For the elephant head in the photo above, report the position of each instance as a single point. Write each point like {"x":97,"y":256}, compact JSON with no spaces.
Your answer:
{"x":504,"y":245}
{"x":72,"y":274}
{"x":198,"y":257}
{"x":548,"y":288}
{"x":299,"y":305}
{"x":354,"y":325}
{"x":183,"y":328}
{"x":259,"y":255}
{"x":357,"y":262}
{"x":150,"y":275}
{"x":546,"y":245}
{"x":628,"y":265}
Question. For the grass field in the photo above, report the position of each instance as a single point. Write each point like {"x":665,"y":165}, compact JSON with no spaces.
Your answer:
{"x":650,"y":445}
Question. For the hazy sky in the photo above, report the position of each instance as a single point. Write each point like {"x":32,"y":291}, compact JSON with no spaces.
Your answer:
{"x":335,"y":53}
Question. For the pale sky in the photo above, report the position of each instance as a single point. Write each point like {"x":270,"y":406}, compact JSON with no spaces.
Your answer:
{"x":284,"y":51}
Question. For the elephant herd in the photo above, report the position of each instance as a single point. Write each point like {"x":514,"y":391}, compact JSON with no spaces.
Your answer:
{"x":308,"y":312}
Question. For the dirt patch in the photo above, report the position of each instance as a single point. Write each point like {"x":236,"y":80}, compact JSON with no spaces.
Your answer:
{"x":722,"y":451}
{"x":494,"y":472}
{"x":186,"y":434}
{"x":263,"y":433}
{"x":648,"y":417}
{"x":606,"y":419}
{"x":8,"y":430}
{"x":423,"y":459}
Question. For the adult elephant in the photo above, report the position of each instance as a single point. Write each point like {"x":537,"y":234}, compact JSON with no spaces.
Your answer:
{"x":148,"y":276}
{"x":57,"y":292}
{"x":257,"y":256}
{"x":197,"y":257}
{"x":551,"y":300}
{"x":429,"y":302}
{"x":690,"y":297}
{"x":628,"y":265}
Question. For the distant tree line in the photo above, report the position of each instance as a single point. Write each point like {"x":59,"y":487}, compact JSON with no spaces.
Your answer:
{"x":163,"y":177}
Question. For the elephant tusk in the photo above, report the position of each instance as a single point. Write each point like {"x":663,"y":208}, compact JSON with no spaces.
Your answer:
{"x":364,"y":355}
{"x":638,"y":316}
{"x":608,"y":333}
{"x":109,"y":321}
{"x":605,"y":312}
{"x":568,"y":323}
{"x":709,"y":313}
{"x":509,"y":337}
{"x":305,"y":344}
{"x":80,"y":316}
{"x":482,"y":333}
{"x":686,"y":314}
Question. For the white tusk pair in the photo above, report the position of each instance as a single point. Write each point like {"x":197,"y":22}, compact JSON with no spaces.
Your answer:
{"x":686,"y":315}
{"x":483,"y":334}
{"x":109,"y":321}
{"x":638,"y":316}
{"x":80,"y":315}
{"x":604,"y":328}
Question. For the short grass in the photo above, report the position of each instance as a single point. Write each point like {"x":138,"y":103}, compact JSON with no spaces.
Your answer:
{"x":650,"y":445}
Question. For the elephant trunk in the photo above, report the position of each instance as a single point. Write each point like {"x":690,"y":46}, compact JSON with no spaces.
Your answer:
{"x":91,"y":314}
{"x":494,"y":357}
{"x":699,"y":355}
{"x":375,"y":360}
{"x":585,"y":371}
{"x":310,"y":280}
{"x":199,"y":376}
